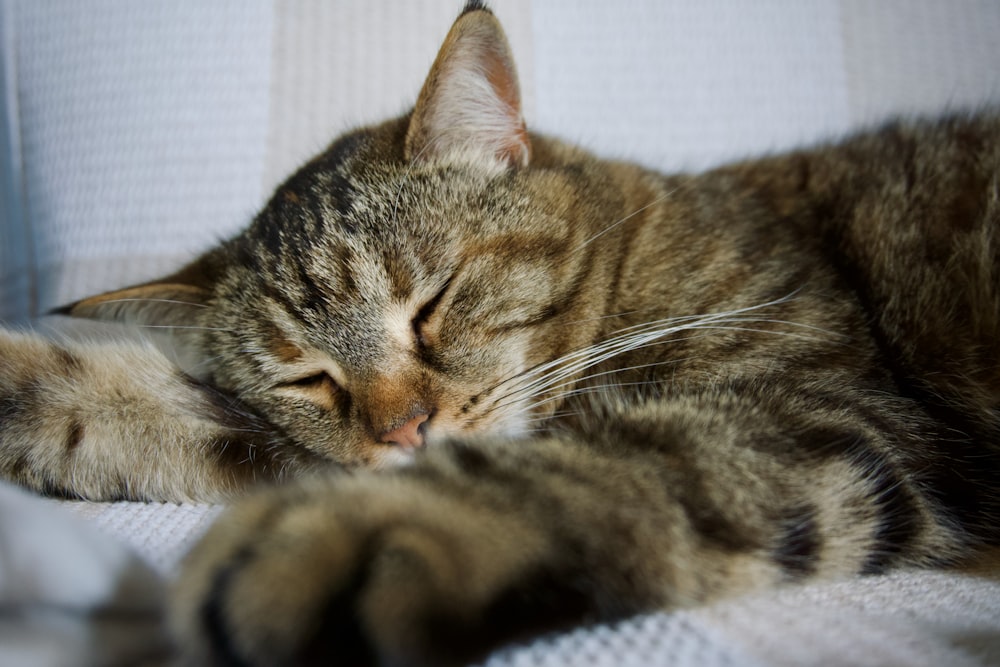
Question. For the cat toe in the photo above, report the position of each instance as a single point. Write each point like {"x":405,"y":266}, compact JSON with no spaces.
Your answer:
{"x":269,"y":585}
{"x":353,"y":573}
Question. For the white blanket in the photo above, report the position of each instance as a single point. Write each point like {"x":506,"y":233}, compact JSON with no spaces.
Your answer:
{"x":70,"y":595}
{"x":88,"y":590}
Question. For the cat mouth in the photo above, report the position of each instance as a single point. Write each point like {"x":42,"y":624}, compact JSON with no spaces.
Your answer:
{"x":395,"y":457}
{"x":405,"y":444}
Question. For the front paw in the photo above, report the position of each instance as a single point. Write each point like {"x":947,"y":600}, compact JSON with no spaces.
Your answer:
{"x":369,"y":570}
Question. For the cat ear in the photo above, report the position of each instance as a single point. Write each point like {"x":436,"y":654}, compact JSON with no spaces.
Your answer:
{"x":170,"y":301}
{"x":470,"y":105}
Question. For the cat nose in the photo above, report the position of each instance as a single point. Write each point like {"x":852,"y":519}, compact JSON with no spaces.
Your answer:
{"x":410,"y":435}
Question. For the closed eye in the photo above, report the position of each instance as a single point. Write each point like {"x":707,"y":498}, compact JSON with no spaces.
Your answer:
{"x":319,"y":388}
{"x":310,"y":380}
{"x":425,"y":313}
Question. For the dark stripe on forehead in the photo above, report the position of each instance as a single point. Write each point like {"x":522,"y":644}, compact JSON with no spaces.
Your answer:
{"x":342,"y":149}
{"x":339,"y":188}
{"x":283,"y":300}
{"x":400,"y":271}
{"x":271,"y":235}
{"x":333,"y":181}
{"x":309,"y":296}
{"x":345,"y":261}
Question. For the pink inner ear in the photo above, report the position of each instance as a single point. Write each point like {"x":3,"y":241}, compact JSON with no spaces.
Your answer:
{"x":470,"y":105}
{"x":517,"y":152}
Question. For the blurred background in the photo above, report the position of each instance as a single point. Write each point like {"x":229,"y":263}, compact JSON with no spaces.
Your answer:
{"x":133,"y":135}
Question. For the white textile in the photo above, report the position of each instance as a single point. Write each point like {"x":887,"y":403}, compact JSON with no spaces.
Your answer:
{"x":72,"y":593}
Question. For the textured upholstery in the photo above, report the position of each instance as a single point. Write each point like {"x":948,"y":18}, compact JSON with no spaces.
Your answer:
{"x":135,"y":134}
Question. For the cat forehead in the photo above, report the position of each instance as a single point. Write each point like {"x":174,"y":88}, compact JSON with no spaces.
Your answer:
{"x":362,"y":185}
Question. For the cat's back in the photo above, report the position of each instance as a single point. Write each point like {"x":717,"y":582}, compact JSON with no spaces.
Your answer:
{"x":908,"y":218}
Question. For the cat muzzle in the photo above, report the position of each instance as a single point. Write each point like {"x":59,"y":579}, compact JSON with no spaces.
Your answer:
{"x":410,"y":435}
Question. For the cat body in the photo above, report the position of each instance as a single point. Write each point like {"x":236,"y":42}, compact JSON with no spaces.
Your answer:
{"x":587,"y":389}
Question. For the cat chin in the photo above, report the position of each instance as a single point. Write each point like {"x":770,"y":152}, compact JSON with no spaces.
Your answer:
{"x":396,"y":457}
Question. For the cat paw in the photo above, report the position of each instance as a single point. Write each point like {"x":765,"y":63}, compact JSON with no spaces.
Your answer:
{"x":368,"y":570}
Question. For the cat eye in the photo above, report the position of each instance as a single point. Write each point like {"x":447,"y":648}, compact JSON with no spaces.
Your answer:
{"x":319,"y":388}
{"x":425,"y":313}
{"x":315,"y":380}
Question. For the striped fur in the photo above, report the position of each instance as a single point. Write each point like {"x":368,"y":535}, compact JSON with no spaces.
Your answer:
{"x":611,"y":390}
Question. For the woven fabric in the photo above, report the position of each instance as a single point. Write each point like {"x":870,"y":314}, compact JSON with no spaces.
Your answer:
{"x":141,"y":129}
{"x":69,"y":594}
{"x":159,"y":533}
{"x":137,"y":135}
{"x":918,"y":619}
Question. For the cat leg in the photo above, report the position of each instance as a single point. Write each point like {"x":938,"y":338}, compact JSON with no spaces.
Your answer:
{"x":116,"y":420}
{"x":658,"y":505}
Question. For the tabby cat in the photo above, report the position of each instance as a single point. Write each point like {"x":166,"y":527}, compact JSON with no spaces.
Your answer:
{"x":525,"y":388}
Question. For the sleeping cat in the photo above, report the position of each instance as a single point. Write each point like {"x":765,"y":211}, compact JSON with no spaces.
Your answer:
{"x":526,"y":388}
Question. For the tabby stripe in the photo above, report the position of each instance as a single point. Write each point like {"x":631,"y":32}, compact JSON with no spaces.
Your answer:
{"x":470,"y":460}
{"x":692,"y":491}
{"x":541,"y":600}
{"x":555,"y":594}
{"x":628,"y":232}
{"x":561,"y":302}
{"x":68,"y":361}
{"x":799,"y":542}
{"x":314,"y":299}
{"x":579,"y":280}
{"x":340,"y":631}
{"x":714,"y":528}
{"x":212,"y":616}
{"x":283,"y":301}
{"x":898,"y":516}
{"x":74,"y":435}
{"x":343,"y":195}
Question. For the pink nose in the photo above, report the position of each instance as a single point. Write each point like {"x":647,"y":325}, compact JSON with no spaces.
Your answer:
{"x":409,"y":435}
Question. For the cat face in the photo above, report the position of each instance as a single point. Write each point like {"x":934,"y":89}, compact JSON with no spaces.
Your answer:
{"x":402,"y":286}
{"x":378,"y":303}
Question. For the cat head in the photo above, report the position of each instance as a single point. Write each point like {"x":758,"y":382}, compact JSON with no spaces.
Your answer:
{"x":400,"y":287}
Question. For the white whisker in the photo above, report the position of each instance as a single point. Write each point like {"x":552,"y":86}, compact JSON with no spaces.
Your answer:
{"x":561,"y":378}
{"x":631,"y":215}
{"x":181,"y":326}
{"x":149,"y":300}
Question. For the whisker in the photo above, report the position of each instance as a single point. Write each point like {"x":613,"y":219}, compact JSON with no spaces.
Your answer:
{"x":596,"y":388}
{"x":728,"y":313}
{"x":637,"y":336}
{"x":558,"y":373}
{"x":202,"y":362}
{"x":608,"y":316}
{"x":610,"y":342}
{"x":557,"y":383}
{"x":181,"y":326}
{"x":546,"y":386}
{"x":631,"y":215}
{"x":151,"y":300}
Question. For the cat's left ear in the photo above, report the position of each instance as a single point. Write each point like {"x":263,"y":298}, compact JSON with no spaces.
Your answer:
{"x":470,"y":106}
{"x":172,"y":301}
